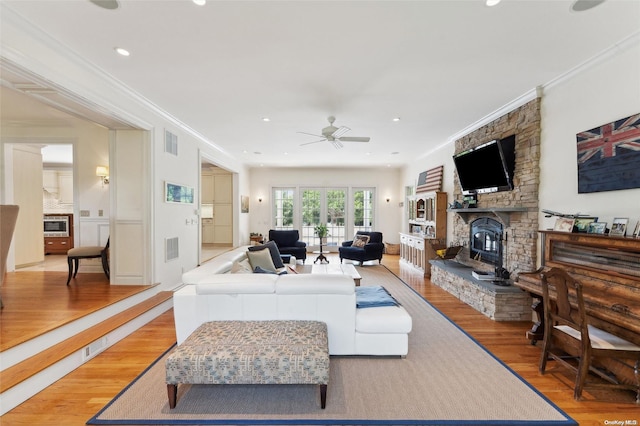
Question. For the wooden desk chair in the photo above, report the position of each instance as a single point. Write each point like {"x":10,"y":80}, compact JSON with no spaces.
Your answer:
{"x":567,"y":335}
{"x":91,"y":252}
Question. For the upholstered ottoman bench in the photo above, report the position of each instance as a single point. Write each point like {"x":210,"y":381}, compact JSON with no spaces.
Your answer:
{"x":251,"y":352}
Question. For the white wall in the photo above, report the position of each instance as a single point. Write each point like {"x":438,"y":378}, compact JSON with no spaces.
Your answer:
{"x":607,"y":90}
{"x":599,"y":92}
{"x":28,"y":48}
{"x":387,"y":182}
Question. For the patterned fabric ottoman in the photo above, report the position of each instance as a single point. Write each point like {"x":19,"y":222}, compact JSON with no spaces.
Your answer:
{"x":251,"y":352}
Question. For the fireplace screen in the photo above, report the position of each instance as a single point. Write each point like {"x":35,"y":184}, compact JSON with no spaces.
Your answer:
{"x":485,"y":241}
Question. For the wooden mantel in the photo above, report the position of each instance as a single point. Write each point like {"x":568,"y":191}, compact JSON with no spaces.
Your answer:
{"x":503,"y":213}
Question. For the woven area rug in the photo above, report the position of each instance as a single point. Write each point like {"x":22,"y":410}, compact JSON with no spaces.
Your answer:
{"x":446,"y":379}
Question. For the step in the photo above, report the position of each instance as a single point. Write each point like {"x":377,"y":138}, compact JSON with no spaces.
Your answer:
{"x":37,"y":363}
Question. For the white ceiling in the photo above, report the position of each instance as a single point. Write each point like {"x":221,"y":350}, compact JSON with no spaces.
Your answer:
{"x":438,"y":65}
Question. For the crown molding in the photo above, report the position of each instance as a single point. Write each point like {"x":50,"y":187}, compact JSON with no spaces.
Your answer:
{"x":538,"y":92}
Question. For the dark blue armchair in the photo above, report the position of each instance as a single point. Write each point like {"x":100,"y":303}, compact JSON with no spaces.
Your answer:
{"x":288,"y":242}
{"x":372,"y":250}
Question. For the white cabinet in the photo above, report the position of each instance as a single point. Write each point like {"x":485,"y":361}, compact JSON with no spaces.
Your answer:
{"x":207,"y":231}
{"x":206,"y":189}
{"x":59,"y":183}
{"x":222,"y":220}
{"x":65,"y":187}
{"x":416,"y":251}
{"x":222,"y":192}
{"x":217,"y":195}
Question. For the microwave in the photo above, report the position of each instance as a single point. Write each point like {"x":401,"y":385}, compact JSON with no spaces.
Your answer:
{"x":56,"y":226}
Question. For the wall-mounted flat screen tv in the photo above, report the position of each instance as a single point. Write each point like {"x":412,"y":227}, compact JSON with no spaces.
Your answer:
{"x":488,"y":167}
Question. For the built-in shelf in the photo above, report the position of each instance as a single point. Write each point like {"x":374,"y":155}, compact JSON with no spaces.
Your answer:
{"x":503,"y":213}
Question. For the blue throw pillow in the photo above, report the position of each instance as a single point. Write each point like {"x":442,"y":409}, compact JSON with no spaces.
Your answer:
{"x":260,"y":270}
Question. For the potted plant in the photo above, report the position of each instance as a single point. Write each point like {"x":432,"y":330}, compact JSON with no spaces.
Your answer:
{"x":322,"y":232}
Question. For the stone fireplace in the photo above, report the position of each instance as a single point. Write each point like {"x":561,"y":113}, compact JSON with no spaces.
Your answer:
{"x":502,"y":230}
{"x":485,"y":241}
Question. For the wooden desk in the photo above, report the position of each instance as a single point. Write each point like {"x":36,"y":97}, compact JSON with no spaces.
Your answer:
{"x":609,"y":269}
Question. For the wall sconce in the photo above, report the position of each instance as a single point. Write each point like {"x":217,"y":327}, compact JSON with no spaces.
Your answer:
{"x":388,"y":199}
{"x":103,"y":173}
{"x":259,"y":199}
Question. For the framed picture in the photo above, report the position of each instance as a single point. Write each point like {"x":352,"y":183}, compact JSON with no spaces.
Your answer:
{"x":636,"y":230}
{"x":619,"y":227}
{"x":174,"y":193}
{"x":582,"y":223}
{"x":564,"y":224}
{"x":244,"y":204}
{"x":597,"y":228}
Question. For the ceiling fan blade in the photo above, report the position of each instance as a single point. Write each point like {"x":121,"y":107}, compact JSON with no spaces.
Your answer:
{"x":341,"y":131}
{"x":309,"y":143}
{"x":311,"y":134}
{"x":355,"y":139}
{"x":337,"y":144}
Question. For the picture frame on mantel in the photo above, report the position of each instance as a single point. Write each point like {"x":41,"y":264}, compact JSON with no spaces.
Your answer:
{"x":636,"y":230}
{"x":619,"y":227}
{"x":564,"y":224}
{"x":582,"y":223}
{"x":597,"y":228}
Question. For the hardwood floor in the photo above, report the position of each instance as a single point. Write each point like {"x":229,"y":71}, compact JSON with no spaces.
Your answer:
{"x":79,"y":395}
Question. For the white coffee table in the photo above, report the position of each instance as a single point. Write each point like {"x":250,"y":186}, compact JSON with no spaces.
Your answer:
{"x":342,"y":268}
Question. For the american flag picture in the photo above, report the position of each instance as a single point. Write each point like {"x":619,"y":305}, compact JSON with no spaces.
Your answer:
{"x":609,"y":156}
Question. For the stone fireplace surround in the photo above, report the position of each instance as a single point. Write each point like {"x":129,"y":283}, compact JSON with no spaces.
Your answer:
{"x":517,"y":210}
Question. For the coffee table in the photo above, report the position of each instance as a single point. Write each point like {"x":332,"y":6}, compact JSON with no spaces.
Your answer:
{"x":342,"y":268}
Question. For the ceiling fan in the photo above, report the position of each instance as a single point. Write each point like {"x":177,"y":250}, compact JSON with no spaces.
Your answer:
{"x":334,"y":134}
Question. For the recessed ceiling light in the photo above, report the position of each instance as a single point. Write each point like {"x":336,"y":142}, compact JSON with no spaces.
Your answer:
{"x":396,"y":119}
{"x":395,"y":153}
{"x":266,"y":119}
{"x":257,"y":152}
{"x":491,"y":2}
{"x":582,"y":5}
{"x":200,"y":2}
{"x":121,"y":51}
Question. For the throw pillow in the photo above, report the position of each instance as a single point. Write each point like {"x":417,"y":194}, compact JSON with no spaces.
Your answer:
{"x":260,"y":270}
{"x":242,"y":267}
{"x":273,"y":250}
{"x":360,"y":240}
{"x":261,"y":258}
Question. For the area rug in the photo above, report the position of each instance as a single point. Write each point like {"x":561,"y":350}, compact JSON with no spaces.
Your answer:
{"x":447,"y":378}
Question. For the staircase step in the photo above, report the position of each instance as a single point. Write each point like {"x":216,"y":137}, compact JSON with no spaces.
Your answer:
{"x":39,"y":362}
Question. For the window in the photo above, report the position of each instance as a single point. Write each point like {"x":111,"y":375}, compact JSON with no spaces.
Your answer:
{"x":283,"y":206}
{"x":363,"y":202}
{"x":305,"y":208}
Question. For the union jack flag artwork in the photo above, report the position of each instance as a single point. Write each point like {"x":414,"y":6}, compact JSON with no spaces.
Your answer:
{"x":609,"y":156}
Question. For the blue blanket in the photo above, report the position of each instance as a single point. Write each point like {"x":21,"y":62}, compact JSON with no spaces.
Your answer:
{"x":373,"y":296}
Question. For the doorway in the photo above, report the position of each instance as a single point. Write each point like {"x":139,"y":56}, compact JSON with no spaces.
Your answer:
{"x":216,"y":210}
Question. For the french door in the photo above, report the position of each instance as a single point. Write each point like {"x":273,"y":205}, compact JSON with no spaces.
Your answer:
{"x":326,"y":206}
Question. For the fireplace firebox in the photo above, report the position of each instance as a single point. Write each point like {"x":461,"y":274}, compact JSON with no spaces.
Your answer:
{"x":485,"y":241}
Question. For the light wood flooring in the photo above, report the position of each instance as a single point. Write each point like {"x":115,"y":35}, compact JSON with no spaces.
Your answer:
{"x":79,"y":395}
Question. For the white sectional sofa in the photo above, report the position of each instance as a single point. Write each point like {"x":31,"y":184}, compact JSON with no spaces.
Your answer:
{"x":211,"y":293}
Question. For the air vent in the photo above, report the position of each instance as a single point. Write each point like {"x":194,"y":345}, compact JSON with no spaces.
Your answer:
{"x":170,"y":143}
{"x":171,"y":249}
{"x":94,"y":348}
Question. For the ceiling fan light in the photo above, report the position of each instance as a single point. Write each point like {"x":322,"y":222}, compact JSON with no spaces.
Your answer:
{"x":491,"y":3}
